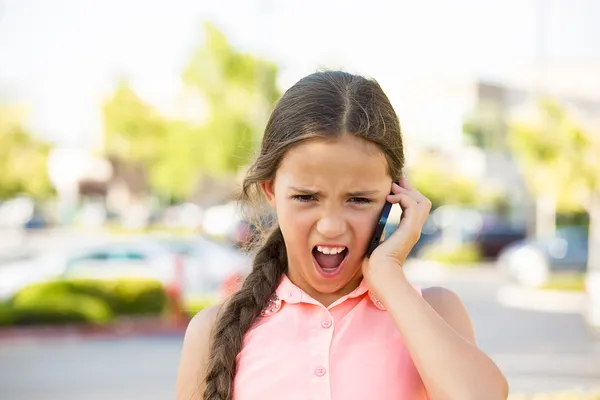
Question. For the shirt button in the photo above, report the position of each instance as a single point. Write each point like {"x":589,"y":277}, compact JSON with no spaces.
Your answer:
{"x":319,"y":371}
{"x":326,"y":323}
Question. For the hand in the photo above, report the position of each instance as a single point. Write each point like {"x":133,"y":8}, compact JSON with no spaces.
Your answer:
{"x":385,"y":264}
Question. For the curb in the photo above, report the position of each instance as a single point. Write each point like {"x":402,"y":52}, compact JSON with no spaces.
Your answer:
{"x":425,"y":271}
{"x":556,"y":301}
{"x":119,"y":329}
{"x":436,"y":272}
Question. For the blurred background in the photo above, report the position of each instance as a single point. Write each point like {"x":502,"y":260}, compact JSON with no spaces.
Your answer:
{"x":126,"y":128}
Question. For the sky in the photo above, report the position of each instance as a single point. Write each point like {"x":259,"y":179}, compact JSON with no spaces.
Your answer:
{"x":61,"y":58}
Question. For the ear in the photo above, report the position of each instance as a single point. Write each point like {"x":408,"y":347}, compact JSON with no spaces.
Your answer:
{"x":268,"y":189}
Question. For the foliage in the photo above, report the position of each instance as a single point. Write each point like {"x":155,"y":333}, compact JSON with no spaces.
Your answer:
{"x":56,"y":308}
{"x":462,"y":254}
{"x":549,"y":147}
{"x":237,"y":89}
{"x":23,"y":159}
{"x":84,"y":300}
{"x":435,"y":180}
{"x":194,"y":305}
{"x":240,"y":90}
{"x":559,"y":154}
{"x":133,"y":129}
{"x":574,"y":282}
{"x":484,"y":126}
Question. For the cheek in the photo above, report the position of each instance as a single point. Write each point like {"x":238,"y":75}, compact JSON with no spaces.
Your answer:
{"x":294,"y":221}
{"x":363,"y":222}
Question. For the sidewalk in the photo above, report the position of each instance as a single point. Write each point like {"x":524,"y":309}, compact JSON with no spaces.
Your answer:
{"x":128,"y":327}
{"x":508,"y":295}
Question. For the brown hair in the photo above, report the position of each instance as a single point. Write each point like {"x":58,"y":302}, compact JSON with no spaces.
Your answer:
{"x":322,"y":105}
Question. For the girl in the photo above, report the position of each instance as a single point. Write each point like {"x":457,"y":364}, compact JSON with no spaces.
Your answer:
{"x":316,"y":319}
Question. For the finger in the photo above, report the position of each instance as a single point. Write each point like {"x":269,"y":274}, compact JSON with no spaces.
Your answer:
{"x":410,"y":207}
{"x":400,"y":194}
{"x":396,"y":188}
{"x":412,"y":211}
{"x":404,"y":183}
{"x":405,"y":187}
{"x":409,"y":226}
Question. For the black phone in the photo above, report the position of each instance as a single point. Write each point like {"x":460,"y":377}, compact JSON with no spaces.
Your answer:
{"x":376,"y":239}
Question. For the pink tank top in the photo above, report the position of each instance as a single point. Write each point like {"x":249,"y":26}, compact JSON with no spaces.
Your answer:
{"x":298,"y":350}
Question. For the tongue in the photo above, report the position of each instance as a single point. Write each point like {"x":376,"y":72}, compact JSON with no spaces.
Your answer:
{"x":329,"y":260}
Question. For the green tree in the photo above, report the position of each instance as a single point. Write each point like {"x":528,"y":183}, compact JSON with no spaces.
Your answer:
{"x":433,"y":178}
{"x":484,"y":126}
{"x":583,"y":151}
{"x":23,"y":159}
{"x":540,"y":144}
{"x":176,"y":172}
{"x":560,"y":158}
{"x":133,"y":130}
{"x":240,"y":90}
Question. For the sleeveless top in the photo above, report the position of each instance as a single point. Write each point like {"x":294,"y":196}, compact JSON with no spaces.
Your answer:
{"x":299,"y":349}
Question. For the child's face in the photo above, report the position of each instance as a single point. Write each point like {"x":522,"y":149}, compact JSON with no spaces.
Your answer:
{"x":329,"y":193}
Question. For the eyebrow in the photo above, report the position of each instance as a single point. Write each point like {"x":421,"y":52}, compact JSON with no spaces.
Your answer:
{"x":360,"y":193}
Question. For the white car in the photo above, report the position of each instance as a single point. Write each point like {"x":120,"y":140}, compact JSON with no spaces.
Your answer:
{"x":102,"y":261}
{"x":207,"y":265}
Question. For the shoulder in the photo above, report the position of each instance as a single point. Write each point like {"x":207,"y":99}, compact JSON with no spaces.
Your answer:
{"x":201,"y":324}
{"x":450,"y":307}
{"x":195,"y":353}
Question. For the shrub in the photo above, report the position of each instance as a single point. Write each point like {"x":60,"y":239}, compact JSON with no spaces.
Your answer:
{"x":83,"y":300}
{"x":56,"y":309}
{"x":123,"y":296}
{"x":461,"y":254}
{"x":194,"y":305}
{"x":565,"y":282}
{"x":7,"y":315}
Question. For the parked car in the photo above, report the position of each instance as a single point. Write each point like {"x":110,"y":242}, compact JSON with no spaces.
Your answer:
{"x":101,"y":261}
{"x":530,"y":262}
{"x":494,"y":236}
{"x":489,"y":233}
{"x":207,"y":266}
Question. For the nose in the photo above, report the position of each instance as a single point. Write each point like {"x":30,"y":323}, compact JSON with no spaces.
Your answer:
{"x":331,"y":226}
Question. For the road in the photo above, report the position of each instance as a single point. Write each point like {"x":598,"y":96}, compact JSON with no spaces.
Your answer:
{"x":538,"y":352}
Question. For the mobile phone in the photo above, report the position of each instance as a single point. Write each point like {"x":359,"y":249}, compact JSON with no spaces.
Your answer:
{"x":376,"y":239}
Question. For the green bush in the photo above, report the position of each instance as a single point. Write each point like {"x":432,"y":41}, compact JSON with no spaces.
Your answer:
{"x":7,"y":315}
{"x":194,"y":305}
{"x":570,"y":282}
{"x":59,"y":308}
{"x":73,"y":301}
{"x":461,"y":254}
{"x":123,"y":296}
{"x":126,"y":296}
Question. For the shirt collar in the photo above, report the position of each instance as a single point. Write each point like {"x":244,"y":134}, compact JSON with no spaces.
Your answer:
{"x":292,"y":294}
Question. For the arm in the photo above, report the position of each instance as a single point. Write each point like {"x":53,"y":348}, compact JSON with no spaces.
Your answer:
{"x":194,"y":355}
{"x":436,"y":327}
{"x":439,"y":336}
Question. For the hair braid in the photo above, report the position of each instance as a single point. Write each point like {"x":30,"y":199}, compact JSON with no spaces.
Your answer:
{"x":239,"y":315}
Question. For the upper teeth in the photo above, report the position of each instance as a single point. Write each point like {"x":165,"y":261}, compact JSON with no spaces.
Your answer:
{"x":330,"y":250}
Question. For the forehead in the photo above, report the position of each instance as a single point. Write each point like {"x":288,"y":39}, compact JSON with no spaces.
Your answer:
{"x":347,"y":160}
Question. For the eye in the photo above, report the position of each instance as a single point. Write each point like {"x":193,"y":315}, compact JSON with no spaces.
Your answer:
{"x":305,"y":198}
{"x":360,"y":200}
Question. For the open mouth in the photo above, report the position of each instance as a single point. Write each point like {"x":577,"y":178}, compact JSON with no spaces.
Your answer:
{"x":329,"y":260}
